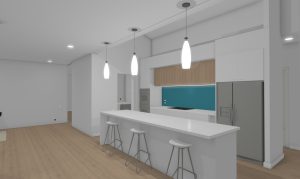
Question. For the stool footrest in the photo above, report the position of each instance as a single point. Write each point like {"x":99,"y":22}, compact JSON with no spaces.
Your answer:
{"x":141,"y":150}
{"x":116,"y":140}
{"x":119,"y":146}
{"x":184,"y":170}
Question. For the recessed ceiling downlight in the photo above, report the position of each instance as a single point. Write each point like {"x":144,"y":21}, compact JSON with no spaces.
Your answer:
{"x":70,"y":46}
{"x":50,"y":61}
{"x":289,"y":39}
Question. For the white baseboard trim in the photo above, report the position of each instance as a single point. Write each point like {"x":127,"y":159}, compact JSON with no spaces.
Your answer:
{"x":96,"y":134}
{"x":34,"y":124}
{"x":270,"y":165}
{"x":294,"y":147}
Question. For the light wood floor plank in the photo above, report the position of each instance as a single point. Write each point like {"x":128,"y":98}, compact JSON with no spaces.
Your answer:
{"x":62,"y":152}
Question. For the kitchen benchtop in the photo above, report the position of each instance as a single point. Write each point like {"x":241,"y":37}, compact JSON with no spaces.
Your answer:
{"x":196,"y":111}
{"x":187,"y":126}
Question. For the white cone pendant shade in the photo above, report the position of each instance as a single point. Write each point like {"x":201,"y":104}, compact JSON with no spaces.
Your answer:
{"x":186,"y":56}
{"x":106,"y":71}
{"x":134,"y":65}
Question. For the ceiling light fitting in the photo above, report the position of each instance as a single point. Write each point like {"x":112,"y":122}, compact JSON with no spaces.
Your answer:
{"x":106,"y":72}
{"x":70,"y":46}
{"x":134,"y":60}
{"x":186,"y":54}
{"x":289,"y":39}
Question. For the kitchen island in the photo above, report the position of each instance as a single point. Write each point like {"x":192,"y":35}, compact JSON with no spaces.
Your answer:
{"x":213,"y":147}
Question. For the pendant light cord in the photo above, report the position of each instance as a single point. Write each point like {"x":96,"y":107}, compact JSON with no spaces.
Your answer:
{"x":186,"y":9}
{"x":134,"y":42}
{"x":106,"y":53}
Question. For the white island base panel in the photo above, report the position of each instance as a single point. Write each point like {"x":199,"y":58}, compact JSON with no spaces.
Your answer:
{"x":213,"y":154}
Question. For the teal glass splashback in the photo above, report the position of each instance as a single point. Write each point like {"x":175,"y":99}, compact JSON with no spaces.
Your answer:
{"x":194,"y":97}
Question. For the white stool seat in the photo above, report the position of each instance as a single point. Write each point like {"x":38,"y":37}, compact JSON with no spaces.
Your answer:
{"x":112,"y":123}
{"x":137,"y":131}
{"x":178,"y":143}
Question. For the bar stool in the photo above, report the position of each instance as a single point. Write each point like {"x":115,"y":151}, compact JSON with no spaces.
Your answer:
{"x":139,"y":149}
{"x":181,"y":146}
{"x":112,"y":126}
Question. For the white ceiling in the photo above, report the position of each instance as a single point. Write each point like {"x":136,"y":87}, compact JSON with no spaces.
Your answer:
{"x":38,"y":30}
{"x":205,"y":12}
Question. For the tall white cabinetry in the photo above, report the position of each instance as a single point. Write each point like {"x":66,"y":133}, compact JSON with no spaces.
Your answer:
{"x":240,"y":57}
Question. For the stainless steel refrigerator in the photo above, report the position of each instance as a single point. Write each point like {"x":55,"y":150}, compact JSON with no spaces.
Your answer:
{"x":241,"y":104}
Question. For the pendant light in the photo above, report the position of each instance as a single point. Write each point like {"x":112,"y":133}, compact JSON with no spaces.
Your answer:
{"x":106,"y":72}
{"x":134,"y":60}
{"x":186,"y":54}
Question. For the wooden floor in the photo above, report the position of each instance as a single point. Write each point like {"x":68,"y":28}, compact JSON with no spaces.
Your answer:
{"x":61,"y":152}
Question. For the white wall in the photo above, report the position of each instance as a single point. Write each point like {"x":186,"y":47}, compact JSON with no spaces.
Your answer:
{"x":104,"y":92}
{"x":121,"y":88}
{"x":290,"y":14}
{"x":69,"y":88}
{"x":240,"y":57}
{"x":128,"y":81}
{"x":120,"y":57}
{"x":81,"y":94}
{"x":281,"y":83}
{"x":32,"y":94}
{"x":212,"y":29}
{"x":91,"y":94}
{"x":273,"y":85}
{"x":291,"y":53}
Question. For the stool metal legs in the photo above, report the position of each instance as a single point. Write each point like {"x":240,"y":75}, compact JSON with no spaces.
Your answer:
{"x":139,"y":150}
{"x":147,"y":149}
{"x":113,"y":139}
{"x":120,"y":138}
{"x":195,"y":176}
{"x":170,"y":160}
{"x":180,"y":152}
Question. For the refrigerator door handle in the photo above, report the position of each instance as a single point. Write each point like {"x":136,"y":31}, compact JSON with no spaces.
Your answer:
{"x":233,"y":115}
{"x":230,"y":111}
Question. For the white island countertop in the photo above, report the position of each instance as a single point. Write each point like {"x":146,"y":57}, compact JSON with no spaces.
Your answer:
{"x":187,"y":126}
{"x":196,"y":111}
{"x":197,"y":114}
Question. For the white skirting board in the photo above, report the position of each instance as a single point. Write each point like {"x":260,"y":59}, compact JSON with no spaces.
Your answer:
{"x":294,"y":147}
{"x":2,"y":136}
{"x":269,"y":165}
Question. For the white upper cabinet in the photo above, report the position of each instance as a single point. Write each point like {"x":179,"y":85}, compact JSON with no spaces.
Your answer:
{"x":240,"y":58}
